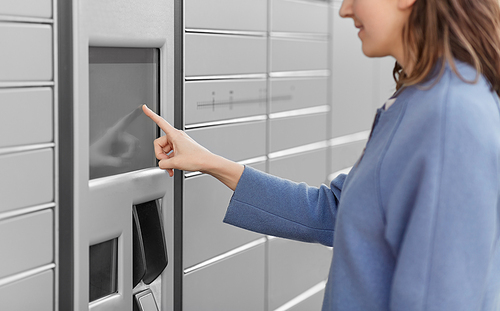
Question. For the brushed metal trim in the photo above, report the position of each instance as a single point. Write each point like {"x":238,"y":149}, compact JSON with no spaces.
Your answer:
{"x":299,"y":35}
{"x":7,"y":84}
{"x":26,"y":274}
{"x":227,"y":77}
{"x":225,"y":255}
{"x":300,"y":73}
{"x":19,"y":149}
{"x":23,"y":19}
{"x":349,"y":138}
{"x":299,"y":112}
{"x":227,"y":32}
{"x":26,"y":210}
{"x":305,"y":295}
{"x":225,"y":122}
{"x":298,"y":150}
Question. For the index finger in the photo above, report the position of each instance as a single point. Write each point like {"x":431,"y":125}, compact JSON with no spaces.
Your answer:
{"x":164,"y":125}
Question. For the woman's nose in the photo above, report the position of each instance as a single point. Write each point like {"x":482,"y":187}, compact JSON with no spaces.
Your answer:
{"x":346,"y":9}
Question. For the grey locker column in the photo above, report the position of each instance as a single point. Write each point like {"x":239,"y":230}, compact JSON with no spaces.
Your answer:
{"x":28,"y":155}
{"x":225,"y":110}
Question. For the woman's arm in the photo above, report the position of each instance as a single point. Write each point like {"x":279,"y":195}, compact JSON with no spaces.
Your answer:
{"x":176,"y":150}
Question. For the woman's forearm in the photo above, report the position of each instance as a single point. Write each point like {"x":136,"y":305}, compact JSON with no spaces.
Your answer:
{"x":226,"y":171}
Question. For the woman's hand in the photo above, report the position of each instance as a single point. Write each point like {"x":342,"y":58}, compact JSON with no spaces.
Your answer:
{"x":176,"y":150}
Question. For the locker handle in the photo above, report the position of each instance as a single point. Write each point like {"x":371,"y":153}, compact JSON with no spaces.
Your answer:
{"x":150,"y":227}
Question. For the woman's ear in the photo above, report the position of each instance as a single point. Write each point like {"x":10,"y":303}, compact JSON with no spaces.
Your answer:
{"x":405,"y":4}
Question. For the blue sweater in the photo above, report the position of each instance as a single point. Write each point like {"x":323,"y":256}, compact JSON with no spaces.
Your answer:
{"x":416,"y":223}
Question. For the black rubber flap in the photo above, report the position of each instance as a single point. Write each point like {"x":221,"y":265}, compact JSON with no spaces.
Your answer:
{"x":139,"y":257}
{"x":155,"y":248}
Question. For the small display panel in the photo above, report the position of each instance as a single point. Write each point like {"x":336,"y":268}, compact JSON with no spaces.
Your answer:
{"x":103,"y":267}
{"x":121,"y":137}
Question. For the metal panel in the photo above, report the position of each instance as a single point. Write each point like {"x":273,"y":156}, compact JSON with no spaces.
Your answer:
{"x":236,"y":283}
{"x":289,"y":94}
{"x":226,"y":14}
{"x":27,"y":179}
{"x":207,"y":55}
{"x":27,"y":8}
{"x":27,"y":116}
{"x":345,"y":156}
{"x":299,"y":16}
{"x":296,"y":131}
{"x":27,"y":242}
{"x":295,"y":267}
{"x":205,"y":235}
{"x":27,"y":54}
{"x":312,"y":303}
{"x":236,"y":141}
{"x":308,"y":167}
{"x":207,"y":101}
{"x":295,"y":55}
{"x":353,"y":88}
{"x":33,"y":293}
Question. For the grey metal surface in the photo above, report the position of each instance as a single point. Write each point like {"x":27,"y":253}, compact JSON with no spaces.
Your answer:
{"x":226,"y":14}
{"x":295,"y":267}
{"x":296,"y":93}
{"x":27,"y":179}
{"x":353,"y":81}
{"x":19,"y":59}
{"x":236,"y":141}
{"x":308,"y":167}
{"x":27,"y":8}
{"x":33,"y":293}
{"x":346,"y":155}
{"x":296,"y":131}
{"x":27,"y":116}
{"x":27,"y":242}
{"x":236,"y":283}
{"x":312,"y":303}
{"x":207,"y":101}
{"x":102,"y":206}
{"x":205,"y":235}
{"x":224,"y":55}
{"x":293,"y":55}
{"x":299,"y":16}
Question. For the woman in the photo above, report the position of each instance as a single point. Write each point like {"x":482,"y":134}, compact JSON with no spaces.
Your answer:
{"x":416,"y":223}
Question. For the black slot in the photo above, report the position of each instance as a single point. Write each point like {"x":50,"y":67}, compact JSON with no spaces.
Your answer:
{"x":139,"y":258}
{"x":151,"y":228}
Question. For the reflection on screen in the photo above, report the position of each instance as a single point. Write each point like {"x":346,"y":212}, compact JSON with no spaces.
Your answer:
{"x":121,"y":80}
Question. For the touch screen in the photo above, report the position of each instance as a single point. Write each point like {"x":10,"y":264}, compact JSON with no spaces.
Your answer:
{"x":121,"y":80}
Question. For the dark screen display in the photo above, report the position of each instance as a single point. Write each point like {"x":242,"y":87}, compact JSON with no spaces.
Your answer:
{"x":121,"y":137}
{"x":103,"y":269}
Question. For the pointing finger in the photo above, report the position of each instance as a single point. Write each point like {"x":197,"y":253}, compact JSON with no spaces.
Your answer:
{"x":164,"y":125}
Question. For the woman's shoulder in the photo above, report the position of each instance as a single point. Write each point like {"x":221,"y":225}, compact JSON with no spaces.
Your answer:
{"x":455,"y":94}
{"x":454,"y":109}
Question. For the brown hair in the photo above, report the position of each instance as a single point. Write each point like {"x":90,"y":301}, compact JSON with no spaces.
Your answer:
{"x":467,"y":30}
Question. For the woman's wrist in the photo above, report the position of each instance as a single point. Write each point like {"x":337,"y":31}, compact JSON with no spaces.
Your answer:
{"x":226,"y":171}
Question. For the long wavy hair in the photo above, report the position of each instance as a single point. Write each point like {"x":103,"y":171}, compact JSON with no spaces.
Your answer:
{"x":466,"y":30}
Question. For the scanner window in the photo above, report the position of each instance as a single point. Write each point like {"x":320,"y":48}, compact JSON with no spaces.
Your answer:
{"x":103,"y":267}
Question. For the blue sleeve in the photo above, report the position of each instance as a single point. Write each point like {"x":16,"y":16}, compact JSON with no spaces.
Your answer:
{"x":441,"y":202}
{"x":271,"y":205}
